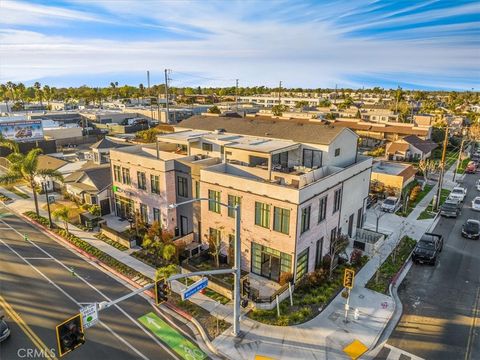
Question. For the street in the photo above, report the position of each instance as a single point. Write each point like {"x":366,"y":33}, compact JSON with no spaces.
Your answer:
{"x":37,"y":282}
{"x":441,"y":304}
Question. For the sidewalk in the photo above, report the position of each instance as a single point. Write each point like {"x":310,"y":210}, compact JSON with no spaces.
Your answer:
{"x":323,"y":337}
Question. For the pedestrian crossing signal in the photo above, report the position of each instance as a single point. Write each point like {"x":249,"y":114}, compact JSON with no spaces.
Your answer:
{"x":348,"y":278}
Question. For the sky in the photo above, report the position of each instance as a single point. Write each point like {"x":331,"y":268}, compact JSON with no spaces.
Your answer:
{"x":424,"y":44}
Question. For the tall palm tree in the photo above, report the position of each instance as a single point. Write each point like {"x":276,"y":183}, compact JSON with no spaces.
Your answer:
{"x":25,"y":167}
{"x":38,"y":92}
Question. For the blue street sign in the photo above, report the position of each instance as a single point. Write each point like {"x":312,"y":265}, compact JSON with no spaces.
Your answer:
{"x":194,"y":288}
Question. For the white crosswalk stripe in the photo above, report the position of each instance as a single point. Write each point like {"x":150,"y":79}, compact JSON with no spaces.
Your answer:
{"x":396,"y":354}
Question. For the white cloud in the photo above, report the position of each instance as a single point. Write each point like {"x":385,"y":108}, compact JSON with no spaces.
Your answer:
{"x":233,"y":45}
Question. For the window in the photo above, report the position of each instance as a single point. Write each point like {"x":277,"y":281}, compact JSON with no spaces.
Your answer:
{"x":222,"y":149}
{"x":337,"y":200}
{"x":197,"y":189}
{"x":305,"y":223}
{"x":337,"y":152}
{"x":126,"y":176}
{"x":260,"y":253}
{"x":262,"y":214}
{"x":280,"y":159}
{"x":142,"y":180}
{"x":281,"y":220}
{"x":214,"y":205}
{"x":93,"y":200}
{"x":302,"y":263}
{"x":116,"y":173}
{"x":360,"y":218}
{"x":312,"y":158}
{"x":182,"y":186}
{"x":322,"y":210}
{"x":233,"y":201}
{"x":144,"y":213}
{"x":156,"y":215}
{"x":207,"y":147}
{"x":214,"y":235}
{"x":318,"y":253}
{"x":333,"y":237}
{"x":155,"y":184}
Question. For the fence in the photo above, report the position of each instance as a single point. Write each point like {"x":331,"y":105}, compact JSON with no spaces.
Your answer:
{"x":116,"y":236}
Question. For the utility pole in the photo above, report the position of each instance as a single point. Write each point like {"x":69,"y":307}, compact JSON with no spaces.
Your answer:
{"x":166,"y":96}
{"x":280,"y":93}
{"x":442,"y":168}
{"x":236,"y":94}
{"x":335,"y":100}
{"x":459,"y":161}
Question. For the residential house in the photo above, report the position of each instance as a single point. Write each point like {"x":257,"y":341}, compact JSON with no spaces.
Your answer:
{"x":393,"y":175}
{"x":100,"y":151}
{"x":47,"y":162}
{"x":410,"y":148}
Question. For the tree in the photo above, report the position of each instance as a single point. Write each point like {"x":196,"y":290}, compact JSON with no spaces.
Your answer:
{"x":214,"y":110}
{"x":9,"y":144}
{"x":158,"y":243}
{"x":154,"y":247}
{"x":63,"y":214}
{"x":215,"y":245}
{"x":25,"y":167}
{"x":337,"y":246}
{"x":426,"y":166}
{"x":301,"y":104}
{"x":38,"y":92}
{"x":474,"y":132}
{"x":278,"y":110}
{"x":166,"y":271}
{"x":169,"y":251}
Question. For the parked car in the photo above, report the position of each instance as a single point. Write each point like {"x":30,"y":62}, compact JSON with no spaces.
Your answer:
{"x":471,"y":168}
{"x":476,"y":204}
{"x":478,"y":185}
{"x":371,"y":200}
{"x":4,"y":329}
{"x":471,"y":229}
{"x":458,"y":193}
{"x":391,"y":204}
{"x":451,"y":208}
{"x":428,"y":249}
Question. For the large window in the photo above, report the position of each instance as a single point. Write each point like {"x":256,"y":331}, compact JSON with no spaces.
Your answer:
{"x":232,"y":201}
{"x":142,"y":180}
{"x":281,"y":220}
{"x":126,"y":176}
{"x":269,"y":262}
{"x":337,"y":200}
{"x":214,"y":204}
{"x":144,"y":213}
{"x":305,"y":221}
{"x":117,"y":173}
{"x":262,"y":214}
{"x":318,"y":253}
{"x":207,"y":146}
{"x":302,"y":263}
{"x":280,"y":159}
{"x":333,"y":237}
{"x":155,"y":184}
{"x":322,"y":210}
{"x":182,"y":186}
{"x":214,"y":235}
{"x":312,"y":158}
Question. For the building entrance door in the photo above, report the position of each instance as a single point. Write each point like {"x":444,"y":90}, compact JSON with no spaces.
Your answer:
{"x":271,"y":266}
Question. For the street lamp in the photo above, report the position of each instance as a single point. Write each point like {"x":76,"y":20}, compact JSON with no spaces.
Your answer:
{"x":236,"y":271}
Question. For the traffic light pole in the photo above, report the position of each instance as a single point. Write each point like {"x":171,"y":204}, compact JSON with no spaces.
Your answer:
{"x":106,"y":304}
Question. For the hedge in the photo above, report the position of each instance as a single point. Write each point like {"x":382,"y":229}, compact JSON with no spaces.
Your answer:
{"x":90,"y":249}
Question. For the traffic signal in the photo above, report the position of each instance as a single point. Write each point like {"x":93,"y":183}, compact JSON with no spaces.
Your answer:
{"x":70,"y":335}
{"x":246,"y":288}
{"x":161,"y":291}
{"x":348,"y":278}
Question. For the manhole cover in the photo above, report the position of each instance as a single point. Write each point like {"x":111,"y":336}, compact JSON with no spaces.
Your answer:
{"x":361,"y":296}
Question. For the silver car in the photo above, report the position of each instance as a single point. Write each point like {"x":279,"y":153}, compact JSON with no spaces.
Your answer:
{"x":4,"y":329}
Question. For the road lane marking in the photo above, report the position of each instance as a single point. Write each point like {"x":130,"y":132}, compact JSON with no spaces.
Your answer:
{"x":26,"y":329}
{"x":473,"y":326}
{"x":172,"y":337}
{"x":72,"y":299}
{"x":94,"y":288}
{"x":38,"y":258}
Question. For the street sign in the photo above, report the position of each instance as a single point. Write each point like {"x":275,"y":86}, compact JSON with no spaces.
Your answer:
{"x":348,"y":278}
{"x":89,"y":315}
{"x":194,"y":288}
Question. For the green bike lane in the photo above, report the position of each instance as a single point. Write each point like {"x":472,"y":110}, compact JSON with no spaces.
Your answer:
{"x":172,"y":338}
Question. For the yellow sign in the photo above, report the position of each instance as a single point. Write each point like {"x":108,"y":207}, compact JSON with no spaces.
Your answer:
{"x":261,"y":357}
{"x":355,"y":349}
{"x":348,"y":278}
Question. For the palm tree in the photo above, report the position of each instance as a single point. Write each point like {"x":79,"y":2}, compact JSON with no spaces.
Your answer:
{"x":63,"y":214}
{"x":25,"y":167}
{"x":10,"y":144}
{"x":38,"y":92}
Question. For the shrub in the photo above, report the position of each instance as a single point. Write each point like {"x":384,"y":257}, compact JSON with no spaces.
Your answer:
{"x":285,"y":277}
{"x":414,"y":193}
{"x":355,"y":257}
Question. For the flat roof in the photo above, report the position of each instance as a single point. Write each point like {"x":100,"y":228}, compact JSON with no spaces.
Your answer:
{"x":390,"y":168}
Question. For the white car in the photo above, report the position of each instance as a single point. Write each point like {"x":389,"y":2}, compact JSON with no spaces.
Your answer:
{"x":390,"y":204}
{"x":478,"y":185}
{"x":476,"y":204}
{"x":458,"y":193}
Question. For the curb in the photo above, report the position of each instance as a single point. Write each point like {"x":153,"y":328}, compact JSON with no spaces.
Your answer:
{"x":149,"y":293}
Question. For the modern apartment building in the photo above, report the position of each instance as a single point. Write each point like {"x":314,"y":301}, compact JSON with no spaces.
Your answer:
{"x":299,"y":184}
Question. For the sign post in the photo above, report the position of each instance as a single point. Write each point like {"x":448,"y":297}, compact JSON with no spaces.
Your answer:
{"x":89,"y":315}
{"x":194,"y":288}
{"x":348,"y":278}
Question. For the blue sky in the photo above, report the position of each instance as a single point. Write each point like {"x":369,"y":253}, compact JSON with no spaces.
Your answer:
{"x":425,"y":44}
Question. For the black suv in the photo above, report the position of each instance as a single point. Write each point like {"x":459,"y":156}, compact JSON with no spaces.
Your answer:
{"x":427,"y":249}
{"x":471,"y":229}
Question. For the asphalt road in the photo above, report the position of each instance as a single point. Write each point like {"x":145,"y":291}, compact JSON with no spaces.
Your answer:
{"x":45,"y":293}
{"x":441,"y":304}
